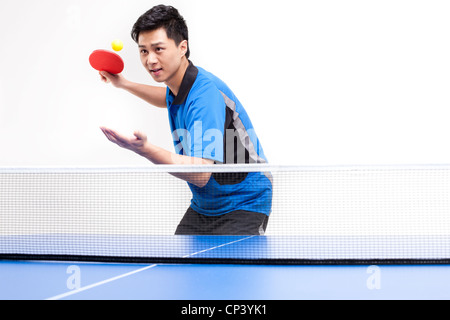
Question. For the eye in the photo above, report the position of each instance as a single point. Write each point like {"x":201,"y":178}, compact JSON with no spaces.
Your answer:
{"x":143,"y":51}
{"x":158,"y":49}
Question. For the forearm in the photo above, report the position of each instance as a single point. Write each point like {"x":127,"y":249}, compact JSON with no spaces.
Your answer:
{"x":154,"y":95}
{"x":159,"y":155}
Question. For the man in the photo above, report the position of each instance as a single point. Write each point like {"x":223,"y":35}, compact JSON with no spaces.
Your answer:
{"x":209,"y":125}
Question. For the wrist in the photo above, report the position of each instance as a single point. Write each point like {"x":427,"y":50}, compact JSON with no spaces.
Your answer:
{"x":145,"y":150}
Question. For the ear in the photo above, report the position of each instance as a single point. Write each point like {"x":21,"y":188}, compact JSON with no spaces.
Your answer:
{"x":183,"y":47}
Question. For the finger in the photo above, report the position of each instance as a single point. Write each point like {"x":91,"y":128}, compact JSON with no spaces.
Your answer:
{"x":107,"y":77}
{"x":110,"y":138}
{"x":108,"y":131}
{"x":109,"y":134}
{"x":140,"y":136}
{"x":117,"y":138}
{"x":103,"y":77}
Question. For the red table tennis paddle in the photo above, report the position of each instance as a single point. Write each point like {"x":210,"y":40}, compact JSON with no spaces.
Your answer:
{"x":104,"y":60}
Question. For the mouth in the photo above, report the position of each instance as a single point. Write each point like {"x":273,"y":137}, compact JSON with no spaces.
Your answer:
{"x":156,"y":71}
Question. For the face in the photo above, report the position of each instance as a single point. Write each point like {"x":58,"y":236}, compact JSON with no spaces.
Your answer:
{"x":160,"y":55}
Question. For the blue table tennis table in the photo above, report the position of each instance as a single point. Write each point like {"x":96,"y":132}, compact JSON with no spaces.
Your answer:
{"x":47,"y":280}
{"x":64,"y":280}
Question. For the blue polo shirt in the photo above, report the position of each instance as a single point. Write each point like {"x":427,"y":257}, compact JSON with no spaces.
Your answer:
{"x":209,"y":122}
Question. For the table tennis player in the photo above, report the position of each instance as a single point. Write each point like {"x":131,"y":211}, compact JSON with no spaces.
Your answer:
{"x":209,"y":126}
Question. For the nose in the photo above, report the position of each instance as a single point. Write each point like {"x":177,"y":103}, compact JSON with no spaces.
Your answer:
{"x":151,"y":59}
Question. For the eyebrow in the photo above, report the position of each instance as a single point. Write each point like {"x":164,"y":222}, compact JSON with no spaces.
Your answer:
{"x":152,"y":45}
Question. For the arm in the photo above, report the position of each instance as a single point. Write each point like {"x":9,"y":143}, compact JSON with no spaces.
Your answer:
{"x":154,"y":95}
{"x":157,"y":155}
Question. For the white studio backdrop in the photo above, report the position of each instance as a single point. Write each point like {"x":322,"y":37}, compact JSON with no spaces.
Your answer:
{"x":326,"y":82}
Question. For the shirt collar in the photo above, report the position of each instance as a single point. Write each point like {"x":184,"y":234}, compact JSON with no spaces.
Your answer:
{"x":186,"y":84}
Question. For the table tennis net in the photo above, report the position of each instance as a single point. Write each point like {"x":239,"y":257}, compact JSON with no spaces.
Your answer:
{"x":319,"y":215}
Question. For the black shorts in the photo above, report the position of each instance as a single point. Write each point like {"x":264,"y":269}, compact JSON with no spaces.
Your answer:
{"x":234,"y":223}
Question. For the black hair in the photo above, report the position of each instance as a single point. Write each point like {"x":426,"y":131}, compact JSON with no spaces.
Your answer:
{"x":166,"y":17}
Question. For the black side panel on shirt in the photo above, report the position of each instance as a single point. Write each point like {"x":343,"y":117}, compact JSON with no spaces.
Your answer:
{"x":240,"y":154}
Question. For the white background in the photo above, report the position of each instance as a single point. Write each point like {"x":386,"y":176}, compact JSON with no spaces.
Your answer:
{"x":324,"y":82}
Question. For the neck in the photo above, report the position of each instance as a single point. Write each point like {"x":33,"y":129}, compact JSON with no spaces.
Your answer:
{"x":174,"y":83}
